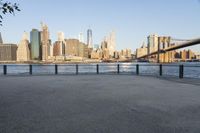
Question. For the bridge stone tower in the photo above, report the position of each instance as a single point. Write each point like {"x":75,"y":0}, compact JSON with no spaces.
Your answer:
{"x":163,"y":43}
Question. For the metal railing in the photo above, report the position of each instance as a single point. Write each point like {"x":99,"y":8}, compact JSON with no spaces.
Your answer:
{"x":181,"y":71}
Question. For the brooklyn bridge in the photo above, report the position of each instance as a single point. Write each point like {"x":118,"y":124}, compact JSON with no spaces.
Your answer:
{"x":165,"y":47}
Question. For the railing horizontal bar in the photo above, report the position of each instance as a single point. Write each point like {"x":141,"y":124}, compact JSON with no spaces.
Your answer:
{"x":190,"y":66}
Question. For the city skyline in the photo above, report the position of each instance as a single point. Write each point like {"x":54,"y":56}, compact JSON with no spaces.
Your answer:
{"x":133,"y":24}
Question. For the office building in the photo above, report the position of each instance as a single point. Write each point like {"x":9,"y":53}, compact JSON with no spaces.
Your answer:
{"x":111,"y":43}
{"x":59,"y":48}
{"x":35,"y":45}
{"x":75,"y":48}
{"x":116,"y":55}
{"x":1,"y":40}
{"x":190,"y":55}
{"x":197,"y":56}
{"x":61,"y":36}
{"x":8,"y":52}
{"x":152,"y":43}
{"x":141,"y":51}
{"x":89,"y":38}
{"x":72,"y":47}
{"x":81,"y":37}
{"x":126,"y":53}
{"x":105,"y":50}
{"x":83,"y":50}
{"x":96,"y":54}
{"x":23,"y":50}
{"x":183,"y":54}
{"x":45,"y":42}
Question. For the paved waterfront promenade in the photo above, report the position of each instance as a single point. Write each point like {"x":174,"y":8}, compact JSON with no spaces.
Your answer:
{"x":98,"y":104}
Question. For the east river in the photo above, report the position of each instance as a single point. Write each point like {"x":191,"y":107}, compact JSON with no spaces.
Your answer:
{"x":191,"y":70}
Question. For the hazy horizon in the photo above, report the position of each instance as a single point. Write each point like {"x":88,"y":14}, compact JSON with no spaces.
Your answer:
{"x":132,"y":20}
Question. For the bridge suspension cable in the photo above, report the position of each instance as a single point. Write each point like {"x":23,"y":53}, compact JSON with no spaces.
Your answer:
{"x":176,"y":39}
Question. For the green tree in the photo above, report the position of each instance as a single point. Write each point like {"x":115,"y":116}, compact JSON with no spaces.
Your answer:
{"x":7,"y":8}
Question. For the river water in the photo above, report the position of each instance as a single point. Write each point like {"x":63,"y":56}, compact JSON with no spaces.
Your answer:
{"x":191,"y":70}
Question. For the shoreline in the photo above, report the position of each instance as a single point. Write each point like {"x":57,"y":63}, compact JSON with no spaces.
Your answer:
{"x":64,"y":62}
{"x":86,"y":62}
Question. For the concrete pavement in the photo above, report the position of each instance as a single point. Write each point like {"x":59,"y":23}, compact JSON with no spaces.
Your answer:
{"x":98,"y":104}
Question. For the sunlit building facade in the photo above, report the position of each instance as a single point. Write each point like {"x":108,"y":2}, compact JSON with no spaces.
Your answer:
{"x":23,"y":50}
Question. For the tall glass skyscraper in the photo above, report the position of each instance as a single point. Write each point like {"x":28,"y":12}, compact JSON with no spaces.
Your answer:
{"x":89,"y":38}
{"x":1,"y":40}
{"x":35,"y":45}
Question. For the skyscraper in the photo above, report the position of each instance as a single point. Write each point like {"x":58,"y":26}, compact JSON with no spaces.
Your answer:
{"x":35,"y":42}
{"x":112,"y":43}
{"x":152,"y":43}
{"x":72,"y":47}
{"x":45,"y":42}
{"x":1,"y":40}
{"x":59,"y":46}
{"x":81,"y":38}
{"x":23,"y":51}
{"x":61,"y":36}
{"x":8,"y":52}
{"x":89,"y":38}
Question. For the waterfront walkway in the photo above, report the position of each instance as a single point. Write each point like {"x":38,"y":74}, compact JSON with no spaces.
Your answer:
{"x":98,"y":104}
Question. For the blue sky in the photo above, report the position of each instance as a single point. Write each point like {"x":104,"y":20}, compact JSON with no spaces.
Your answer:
{"x":132,"y":20}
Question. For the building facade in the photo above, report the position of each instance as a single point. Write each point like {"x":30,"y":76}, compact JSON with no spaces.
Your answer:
{"x":83,"y":50}
{"x":72,"y":47}
{"x":8,"y":52}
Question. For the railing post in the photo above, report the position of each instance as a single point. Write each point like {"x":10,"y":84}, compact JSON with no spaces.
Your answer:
{"x":161,"y":70}
{"x":118,"y":68}
{"x":181,"y":71}
{"x":76,"y":69}
{"x":56,"y":69}
{"x":137,"y":69}
{"x":30,"y":69}
{"x":5,"y":69}
{"x":97,"y":68}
